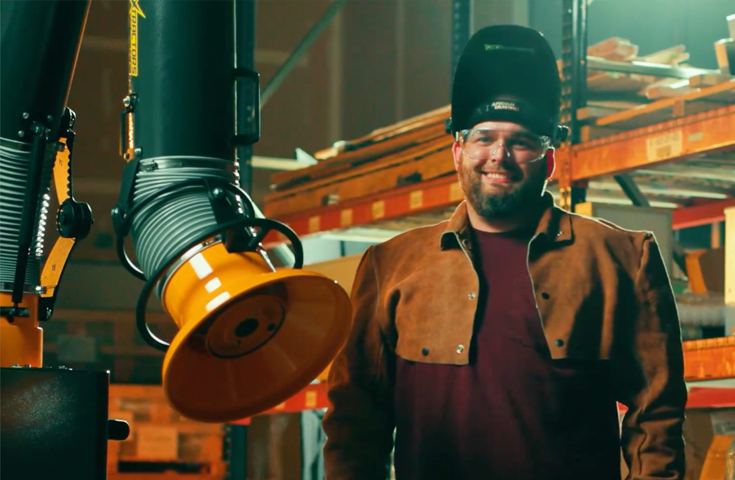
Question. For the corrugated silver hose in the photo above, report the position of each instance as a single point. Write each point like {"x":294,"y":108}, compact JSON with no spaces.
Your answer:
{"x":161,"y":228}
{"x":15,"y":160}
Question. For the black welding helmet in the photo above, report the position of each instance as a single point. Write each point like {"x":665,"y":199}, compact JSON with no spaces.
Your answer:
{"x":507,"y":73}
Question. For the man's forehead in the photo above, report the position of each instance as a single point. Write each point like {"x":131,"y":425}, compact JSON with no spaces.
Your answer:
{"x":498,"y":125}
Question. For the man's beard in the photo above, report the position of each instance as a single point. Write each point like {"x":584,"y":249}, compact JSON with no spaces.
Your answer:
{"x":501,"y":203}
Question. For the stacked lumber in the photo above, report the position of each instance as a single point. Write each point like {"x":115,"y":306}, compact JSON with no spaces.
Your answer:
{"x":621,"y":101}
{"x":647,"y":87}
{"x":412,"y":151}
{"x":162,"y":444}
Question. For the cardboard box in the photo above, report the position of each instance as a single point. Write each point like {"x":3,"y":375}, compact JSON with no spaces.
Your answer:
{"x":701,"y":427}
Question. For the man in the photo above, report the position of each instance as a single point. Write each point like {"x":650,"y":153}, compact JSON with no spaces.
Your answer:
{"x":496,"y":344}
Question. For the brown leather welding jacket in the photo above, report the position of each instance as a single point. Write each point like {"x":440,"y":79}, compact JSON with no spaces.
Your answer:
{"x":602,"y":294}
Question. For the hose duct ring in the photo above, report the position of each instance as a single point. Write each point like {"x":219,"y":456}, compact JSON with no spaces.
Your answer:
{"x":265,"y":225}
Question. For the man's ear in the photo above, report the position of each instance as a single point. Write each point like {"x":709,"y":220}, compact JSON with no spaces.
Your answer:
{"x":457,"y":155}
{"x":550,"y":163}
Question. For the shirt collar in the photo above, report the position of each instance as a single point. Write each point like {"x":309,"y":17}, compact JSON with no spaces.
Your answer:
{"x":555,"y":224}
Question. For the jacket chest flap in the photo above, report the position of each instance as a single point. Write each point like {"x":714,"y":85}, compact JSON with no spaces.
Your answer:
{"x":578,"y":296}
{"x":433,"y":308}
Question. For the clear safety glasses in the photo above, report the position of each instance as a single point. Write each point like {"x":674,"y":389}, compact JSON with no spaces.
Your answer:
{"x":521,"y":146}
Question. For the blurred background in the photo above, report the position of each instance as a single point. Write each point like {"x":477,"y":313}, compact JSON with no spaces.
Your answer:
{"x":377,"y":63}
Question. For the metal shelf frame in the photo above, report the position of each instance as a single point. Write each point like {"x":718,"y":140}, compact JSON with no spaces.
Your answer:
{"x":688,"y":132}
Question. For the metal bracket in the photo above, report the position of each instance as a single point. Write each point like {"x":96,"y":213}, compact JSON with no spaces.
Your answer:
{"x":127,"y":143}
{"x":11,"y":312}
{"x":302,"y":47}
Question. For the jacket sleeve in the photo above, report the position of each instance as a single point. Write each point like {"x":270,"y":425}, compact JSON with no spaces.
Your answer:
{"x":650,"y":376}
{"x":359,"y":422}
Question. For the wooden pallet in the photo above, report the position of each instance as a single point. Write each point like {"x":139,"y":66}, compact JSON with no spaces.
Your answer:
{"x":163,"y":444}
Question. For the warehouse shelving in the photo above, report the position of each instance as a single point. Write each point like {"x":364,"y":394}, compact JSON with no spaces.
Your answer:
{"x":680,"y":151}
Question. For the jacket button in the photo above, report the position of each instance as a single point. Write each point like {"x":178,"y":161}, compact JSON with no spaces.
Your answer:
{"x":460,"y":348}
{"x":559,"y":342}
{"x":471,"y":296}
{"x":545,"y":295}
{"x":424,"y":351}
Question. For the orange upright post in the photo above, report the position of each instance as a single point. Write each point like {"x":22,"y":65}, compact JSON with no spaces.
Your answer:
{"x":21,"y":337}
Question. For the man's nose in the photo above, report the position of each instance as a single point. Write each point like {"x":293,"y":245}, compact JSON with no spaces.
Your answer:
{"x":498,"y":152}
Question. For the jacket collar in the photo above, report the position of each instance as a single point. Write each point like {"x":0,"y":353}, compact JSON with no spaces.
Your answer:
{"x":555,"y":224}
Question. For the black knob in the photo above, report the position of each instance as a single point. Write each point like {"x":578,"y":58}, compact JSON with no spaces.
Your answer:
{"x":74,"y":219}
{"x":117,"y":429}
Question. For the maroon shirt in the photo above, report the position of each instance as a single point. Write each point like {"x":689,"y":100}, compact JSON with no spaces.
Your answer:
{"x":513,"y":413}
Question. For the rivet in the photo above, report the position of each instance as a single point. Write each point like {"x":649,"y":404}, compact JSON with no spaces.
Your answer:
{"x":471,"y":296}
{"x":545,"y":295}
{"x":424,"y":351}
{"x":559,"y":342}
{"x":460,"y":348}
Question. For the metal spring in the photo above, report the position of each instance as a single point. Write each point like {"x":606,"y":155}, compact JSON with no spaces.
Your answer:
{"x":14,"y":165}
{"x":161,"y":228}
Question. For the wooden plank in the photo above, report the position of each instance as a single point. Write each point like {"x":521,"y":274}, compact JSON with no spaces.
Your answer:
{"x":284,"y":180}
{"x":594,"y":111}
{"x":435,"y":164}
{"x":668,"y":56}
{"x":438,"y":115}
{"x":707,"y":80}
{"x":407,"y":155}
{"x":654,"y":112}
{"x":661,"y":90}
{"x":433,"y":117}
{"x":615,"y":48}
{"x":617,"y":82}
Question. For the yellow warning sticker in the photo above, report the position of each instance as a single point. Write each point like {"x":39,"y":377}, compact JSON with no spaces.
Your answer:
{"x":134,"y":13}
{"x":416,"y":199}
{"x":345,"y":217}
{"x":378,"y":209}
{"x":314,"y":224}
{"x":665,"y":146}
{"x":455,"y":192}
{"x":310,"y":401}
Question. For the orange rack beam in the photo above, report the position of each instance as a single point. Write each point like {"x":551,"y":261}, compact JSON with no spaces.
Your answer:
{"x":709,"y":359}
{"x":675,"y":140}
{"x":705,"y":213}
